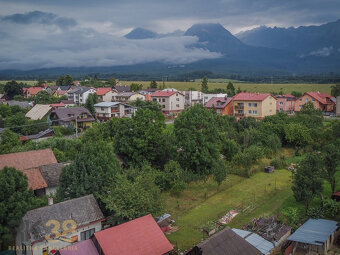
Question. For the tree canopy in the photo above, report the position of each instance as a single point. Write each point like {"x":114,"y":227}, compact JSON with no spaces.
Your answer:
{"x":12,"y":88}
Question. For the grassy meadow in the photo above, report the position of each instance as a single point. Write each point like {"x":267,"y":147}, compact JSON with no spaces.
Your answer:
{"x":222,"y":83}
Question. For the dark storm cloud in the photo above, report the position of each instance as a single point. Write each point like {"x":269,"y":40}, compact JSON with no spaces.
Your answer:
{"x":40,"y":18}
{"x":40,"y":33}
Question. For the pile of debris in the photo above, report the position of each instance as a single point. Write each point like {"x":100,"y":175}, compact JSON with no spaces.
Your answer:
{"x":270,"y":229}
{"x":228,"y":217}
{"x":165,"y":223}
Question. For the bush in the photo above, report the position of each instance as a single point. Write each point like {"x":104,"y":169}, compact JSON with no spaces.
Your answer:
{"x":330,"y":207}
{"x":278,"y":163}
{"x":315,"y":212}
{"x":62,"y":131}
{"x":291,"y":216}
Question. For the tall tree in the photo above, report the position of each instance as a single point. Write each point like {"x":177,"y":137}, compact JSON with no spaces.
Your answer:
{"x":307,"y":180}
{"x":335,"y":92}
{"x":231,"y":89}
{"x":135,"y":86}
{"x":141,"y":138}
{"x":197,"y":140}
{"x":204,"y":85}
{"x":153,"y":84}
{"x":9,"y":140}
{"x":91,"y":100}
{"x":331,"y":158}
{"x":15,"y":201}
{"x":112,"y":82}
{"x":93,"y":166}
{"x":68,"y":80}
{"x":12,"y":88}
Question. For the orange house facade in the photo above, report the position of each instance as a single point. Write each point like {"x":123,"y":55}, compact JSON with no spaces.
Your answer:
{"x":320,"y":101}
{"x":221,"y":105}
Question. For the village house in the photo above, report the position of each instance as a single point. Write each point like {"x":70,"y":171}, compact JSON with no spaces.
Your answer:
{"x":315,"y":236}
{"x":257,"y":105}
{"x":321,"y":101}
{"x":141,"y":236}
{"x":31,"y":91}
{"x":128,"y":97}
{"x":42,"y":135}
{"x":51,"y":174}
{"x":147,"y":93}
{"x":22,"y":105}
{"x":68,"y":103}
{"x":80,"y":94}
{"x":221,"y":105}
{"x":106,"y":94}
{"x":77,"y":117}
{"x":285,"y":103}
{"x":122,"y":88}
{"x":52,"y":90}
{"x":29,"y":163}
{"x":224,"y":242}
{"x":39,"y":111}
{"x":44,"y":230}
{"x":193,"y":97}
{"x":108,"y":110}
{"x":172,"y":102}
{"x":207,"y":97}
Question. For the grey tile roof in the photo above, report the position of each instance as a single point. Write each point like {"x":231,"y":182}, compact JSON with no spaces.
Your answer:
{"x":64,"y":113}
{"x":51,"y":173}
{"x":22,"y":105}
{"x":227,"y":242}
{"x":121,"y":88}
{"x":126,"y":94}
{"x":40,"y":134}
{"x":83,"y":210}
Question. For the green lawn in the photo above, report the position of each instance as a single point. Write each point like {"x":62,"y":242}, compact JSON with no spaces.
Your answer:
{"x":259,"y":194}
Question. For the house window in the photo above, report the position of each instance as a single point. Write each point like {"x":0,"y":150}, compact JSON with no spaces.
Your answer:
{"x":255,"y":112}
{"x":281,"y":109}
{"x":176,"y":95}
{"x":155,"y":99}
{"x":159,"y":100}
{"x":177,"y":105}
{"x":300,"y":99}
{"x":87,"y":234}
{"x":281,"y":103}
{"x":177,"y":99}
{"x":306,"y":100}
{"x":24,"y":249}
{"x":163,"y":106}
{"x":313,"y":99}
{"x":270,"y":110}
{"x":255,"y":104}
{"x":249,"y":111}
{"x":102,"y":108}
{"x":249,"y":104}
{"x":163,"y":100}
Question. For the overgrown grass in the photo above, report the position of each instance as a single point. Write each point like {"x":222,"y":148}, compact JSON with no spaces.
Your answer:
{"x":262,"y":193}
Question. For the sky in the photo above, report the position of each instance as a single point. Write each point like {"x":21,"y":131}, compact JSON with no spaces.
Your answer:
{"x":72,"y":33}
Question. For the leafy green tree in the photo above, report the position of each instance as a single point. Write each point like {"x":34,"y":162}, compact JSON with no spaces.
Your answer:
{"x":153,"y":84}
{"x":153,"y":106}
{"x":5,"y":111}
{"x":91,"y":100}
{"x":60,"y":81}
{"x":331,"y":158}
{"x":135,"y":86}
{"x":307,"y":180}
{"x":130,"y":199}
{"x":15,"y":201}
{"x":297,"y":134}
{"x":12,"y":88}
{"x":220,"y":171}
{"x":112,"y":82}
{"x":40,"y":81}
{"x":335,"y":92}
{"x":197,"y":140}
{"x":43,"y":97}
{"x":231,"y":89}
{"x":238,"y":90}
{"x":296,"y":93}
{"x":68,"y":80}
{"x":204,"y":85}
{"x":230,"y":148}
{"x":141,"y":138}
{"x":172,"y":178}
{"x":16,"y":122}
{"x":9,"y":140}
{"x":93,"y":166}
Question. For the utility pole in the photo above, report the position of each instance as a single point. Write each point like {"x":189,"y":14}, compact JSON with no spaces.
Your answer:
{"x":76,"y":127}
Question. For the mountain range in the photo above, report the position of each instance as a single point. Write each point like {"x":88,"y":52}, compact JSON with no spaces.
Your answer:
{"x":311,"y":50}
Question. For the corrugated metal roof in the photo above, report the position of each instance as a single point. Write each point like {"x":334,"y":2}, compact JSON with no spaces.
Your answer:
{"x":106,"y":104}
{"x":39,"y":111}
{"x":255,"y":240}
{"x":314,"y":231}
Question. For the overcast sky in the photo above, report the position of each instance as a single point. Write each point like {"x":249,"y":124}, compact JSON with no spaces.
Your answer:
{"x":51,"y":33}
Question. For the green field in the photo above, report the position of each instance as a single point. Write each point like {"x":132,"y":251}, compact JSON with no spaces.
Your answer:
{"x":251,"y":87}
{"x":222,"y":83}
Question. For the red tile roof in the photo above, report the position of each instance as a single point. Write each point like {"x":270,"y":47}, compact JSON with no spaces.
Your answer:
{"x":247,"y":96}
{"x":321,"y":97}
{"x":35,"y":179}
{"x":164,"y":93}
{"x":61,"y":92}
{"x":28,"y":159}
{"x":58,"y":105}
{"x":141,"y":236}
{"x":213,"y":102}
{"x":102,"y":91}
{"x":34,"y":90}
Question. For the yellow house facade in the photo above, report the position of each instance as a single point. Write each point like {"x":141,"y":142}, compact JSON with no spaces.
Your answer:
{"x":254,"y":105}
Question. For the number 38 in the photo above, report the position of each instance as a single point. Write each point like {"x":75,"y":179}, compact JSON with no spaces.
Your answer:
{"x":69,"y":226}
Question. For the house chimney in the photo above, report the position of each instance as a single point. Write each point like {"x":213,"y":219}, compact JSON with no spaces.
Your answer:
{"x":50,"y":201}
